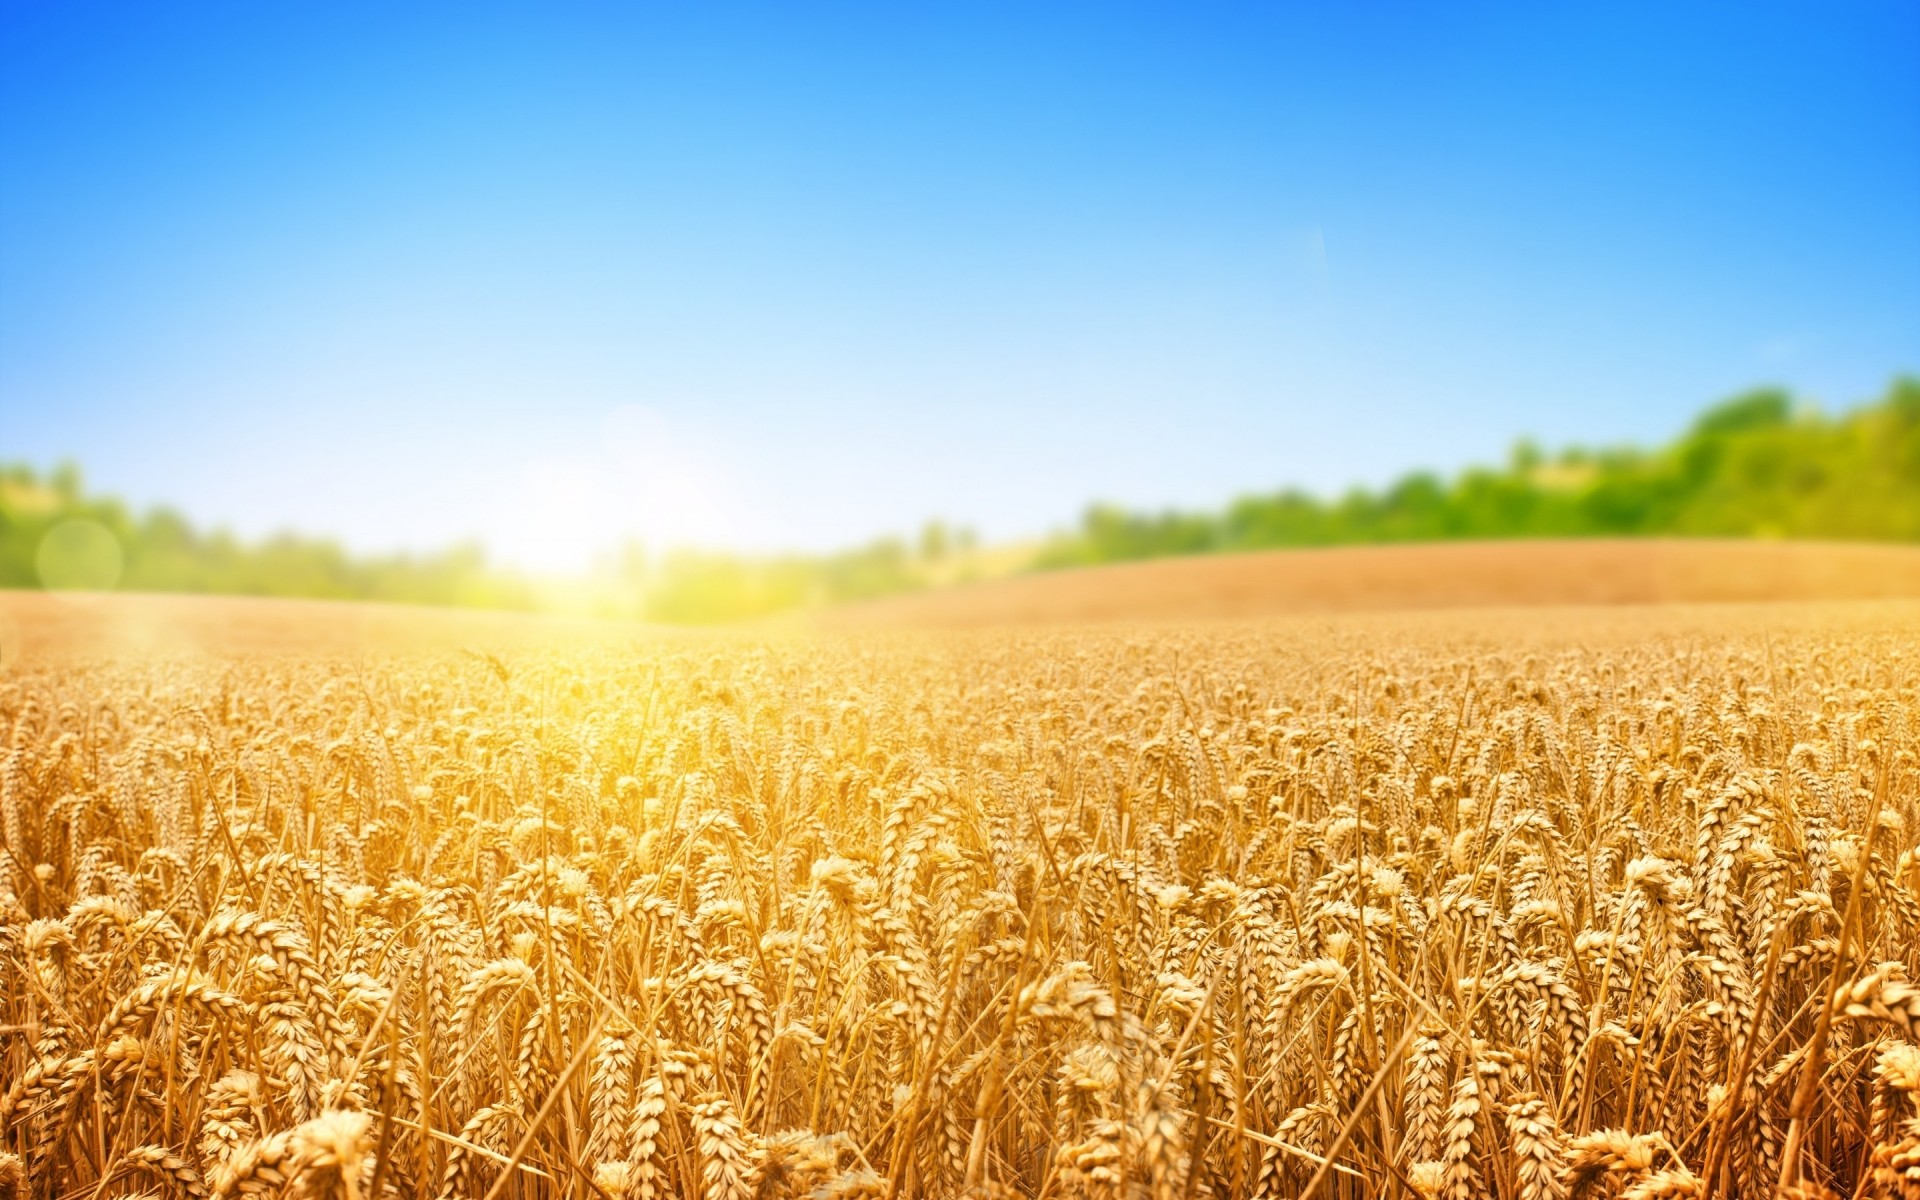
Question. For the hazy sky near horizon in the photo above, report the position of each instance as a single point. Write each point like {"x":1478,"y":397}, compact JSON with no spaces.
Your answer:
{"x":796,"y":275}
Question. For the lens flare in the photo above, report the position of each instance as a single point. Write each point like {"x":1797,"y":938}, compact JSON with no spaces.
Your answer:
{"x":79,"y":555}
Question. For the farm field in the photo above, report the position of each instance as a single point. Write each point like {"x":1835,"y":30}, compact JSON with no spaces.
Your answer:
{"x":1526,"y":902}
{"x":42,"y":626}
{"x":1171,"y":602}
{"x":1520,"y":572}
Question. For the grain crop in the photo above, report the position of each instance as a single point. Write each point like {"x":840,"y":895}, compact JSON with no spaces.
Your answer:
{"x":1538,"y":909}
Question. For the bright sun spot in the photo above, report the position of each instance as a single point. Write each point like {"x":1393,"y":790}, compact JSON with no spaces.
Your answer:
{"x":642,"y":479}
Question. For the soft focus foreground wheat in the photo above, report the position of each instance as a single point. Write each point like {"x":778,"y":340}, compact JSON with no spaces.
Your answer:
{"x":1106,"y":914}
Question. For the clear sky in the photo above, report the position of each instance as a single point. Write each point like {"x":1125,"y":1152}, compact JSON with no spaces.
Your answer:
{"x":796,"y":275}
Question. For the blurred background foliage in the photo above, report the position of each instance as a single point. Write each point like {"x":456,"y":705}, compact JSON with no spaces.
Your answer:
{"x":161,"y":551}
{"x":1756,"y":466}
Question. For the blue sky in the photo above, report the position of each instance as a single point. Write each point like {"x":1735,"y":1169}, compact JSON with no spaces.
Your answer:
{"x":791,"y":276}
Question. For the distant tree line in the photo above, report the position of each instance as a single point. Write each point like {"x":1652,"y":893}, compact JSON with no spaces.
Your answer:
{"x":159,"y":550}
{"x":694,"y":586}
{"x":1755,"y":466}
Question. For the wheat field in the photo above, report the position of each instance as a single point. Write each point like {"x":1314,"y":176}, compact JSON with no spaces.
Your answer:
{"x":1575,"y":903}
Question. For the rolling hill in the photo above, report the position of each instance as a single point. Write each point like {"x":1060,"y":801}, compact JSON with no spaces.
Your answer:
{"x":1613,"y":571}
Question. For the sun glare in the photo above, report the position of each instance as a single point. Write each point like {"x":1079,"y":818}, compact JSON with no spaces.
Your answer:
{"x":638,"y":481}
